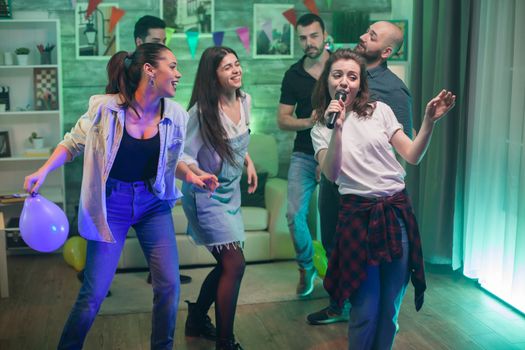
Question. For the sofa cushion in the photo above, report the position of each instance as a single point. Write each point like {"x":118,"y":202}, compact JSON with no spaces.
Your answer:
{"x":255,"y":219}
{"x":263,"y":151}
{"x":255,"y":199}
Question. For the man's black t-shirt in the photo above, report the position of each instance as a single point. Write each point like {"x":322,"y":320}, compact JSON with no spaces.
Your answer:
{"x":296,"y":90}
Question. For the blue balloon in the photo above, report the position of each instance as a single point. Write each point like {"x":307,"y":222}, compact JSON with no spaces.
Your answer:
{"x":43,"y":225}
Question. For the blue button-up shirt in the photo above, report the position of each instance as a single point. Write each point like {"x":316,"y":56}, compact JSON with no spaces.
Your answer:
{"x":97,"y":134}
{"x":386,"y":87}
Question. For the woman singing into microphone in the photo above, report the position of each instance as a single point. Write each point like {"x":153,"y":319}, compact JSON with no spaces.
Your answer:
{"x":377,"y":246}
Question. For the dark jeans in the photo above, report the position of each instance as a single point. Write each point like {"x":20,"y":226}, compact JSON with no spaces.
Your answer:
{"x":376,"y":304}
{"x":328,"y":214}
{"x":130,"y":204}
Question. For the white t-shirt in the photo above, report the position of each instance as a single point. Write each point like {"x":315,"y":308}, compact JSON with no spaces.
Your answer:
{"x":194,"y":141}
{"x":369,"y":167}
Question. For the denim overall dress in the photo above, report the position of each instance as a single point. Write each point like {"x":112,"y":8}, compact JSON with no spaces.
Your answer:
{"x":216,"y":219}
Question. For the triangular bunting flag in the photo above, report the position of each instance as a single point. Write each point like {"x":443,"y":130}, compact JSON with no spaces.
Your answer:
{"x":116,"y":15}
{"x":267,"y":29}
{"x":193,"y":41}
{"x":291,"y":16}
{"x":310,"y":5}
{"x":169,"y":34}
{"x":218,"y":37}
{"x":244,"y":36}
{"x":91,"y":7}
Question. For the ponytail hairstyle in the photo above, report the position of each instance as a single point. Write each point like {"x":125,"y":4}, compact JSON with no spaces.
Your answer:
{"x":321,"y":97}
{"x":206,"y":93}
{"x":125,"y":70}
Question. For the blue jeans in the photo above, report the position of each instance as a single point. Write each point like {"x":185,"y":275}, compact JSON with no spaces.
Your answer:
{"x":376,"y":304}
{"x":301,"y":184}
{"x":130,"y":204}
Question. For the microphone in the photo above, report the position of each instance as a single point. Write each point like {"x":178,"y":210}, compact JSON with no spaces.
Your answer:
{"x":332,"y":117}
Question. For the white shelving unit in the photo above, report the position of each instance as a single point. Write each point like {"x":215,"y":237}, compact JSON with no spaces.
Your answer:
{"x":23,"y":118}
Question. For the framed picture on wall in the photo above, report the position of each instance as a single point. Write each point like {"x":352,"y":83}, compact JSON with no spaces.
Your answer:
{"x":5,"y":9}
{"x":402,"y":53}
{"x":93,"y":38}
{"x":273,"y":34}
{"x":5,"y":149}
{"x":188,"y":15}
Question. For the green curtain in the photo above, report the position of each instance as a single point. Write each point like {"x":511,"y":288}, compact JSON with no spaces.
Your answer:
{"x":469,"y":191}
{"x":490,"y":215}
{"x":439,"y":61}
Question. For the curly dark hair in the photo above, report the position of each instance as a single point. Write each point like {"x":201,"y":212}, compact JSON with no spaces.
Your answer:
{"x":321,"y":97}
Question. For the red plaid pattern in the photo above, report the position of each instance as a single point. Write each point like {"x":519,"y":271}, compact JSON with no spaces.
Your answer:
{"x":368,"y":233}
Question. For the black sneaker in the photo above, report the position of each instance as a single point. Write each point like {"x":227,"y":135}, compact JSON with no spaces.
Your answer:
{"x":227,"y":344}
{"x":198,"y":325}
{"x":326,"y":316}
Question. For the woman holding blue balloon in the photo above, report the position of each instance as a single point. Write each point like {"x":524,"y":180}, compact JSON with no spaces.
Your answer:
{"x":131,"y":139}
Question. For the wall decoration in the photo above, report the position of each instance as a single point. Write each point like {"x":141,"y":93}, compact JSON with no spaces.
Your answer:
{"x":311,"y":6}
{"x":402,"y":54}
{"x":188,"y":16}
{"x":244,"y":36}
{"x":273,"y":33}
{"x":5,"y":9}
{"x":5,"y":149}
{"x":94,"y":39}
{"x":46,"y":88}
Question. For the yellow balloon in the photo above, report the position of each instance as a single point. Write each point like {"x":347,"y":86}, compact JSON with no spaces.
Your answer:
{"x":74,"y":252}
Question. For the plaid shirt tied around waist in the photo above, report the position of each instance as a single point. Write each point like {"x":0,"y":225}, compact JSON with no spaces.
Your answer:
{"x":368,"y":233}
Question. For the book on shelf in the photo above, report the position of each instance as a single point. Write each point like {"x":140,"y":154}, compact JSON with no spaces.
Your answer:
{"x":37,"y":152}
{"x":13,"y":198}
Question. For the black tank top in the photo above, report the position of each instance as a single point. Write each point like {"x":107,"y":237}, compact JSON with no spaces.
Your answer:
{"x":136,"y":160}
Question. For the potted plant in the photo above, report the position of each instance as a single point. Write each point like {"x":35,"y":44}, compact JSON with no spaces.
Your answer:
{"x":22,"y":53}
{"x":36,"y":141}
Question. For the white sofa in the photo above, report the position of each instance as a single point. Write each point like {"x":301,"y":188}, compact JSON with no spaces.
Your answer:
{"x":267,"y":235}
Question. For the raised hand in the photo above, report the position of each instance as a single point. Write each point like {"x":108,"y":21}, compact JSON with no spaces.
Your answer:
{"x":440,"y":105}
{"x":336,"y":106}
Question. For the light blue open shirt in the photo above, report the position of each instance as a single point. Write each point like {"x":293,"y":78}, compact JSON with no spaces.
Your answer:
{"x":97,"y":134}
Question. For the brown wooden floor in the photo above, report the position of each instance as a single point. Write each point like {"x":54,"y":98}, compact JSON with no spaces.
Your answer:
{"x":457,"y":315}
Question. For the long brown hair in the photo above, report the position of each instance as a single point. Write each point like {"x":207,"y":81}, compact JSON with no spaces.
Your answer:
{"x":321,"y":97}
{"x":125,"y":70}
{"x":206,"y":92}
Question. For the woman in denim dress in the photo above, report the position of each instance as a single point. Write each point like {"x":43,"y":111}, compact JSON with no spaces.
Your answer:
{"x":132,"y":139}
{"x":218,"y":138}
